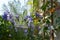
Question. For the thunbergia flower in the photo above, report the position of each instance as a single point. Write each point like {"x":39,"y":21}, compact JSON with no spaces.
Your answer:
{"x":29,"y":21}
{"x":25,"y":31}
{"x":26,"y":17}
{"x":13,"y":21}
{"x":39,"y":27}
{"x":17,"y":17}
{"x":7,"y":17}
{"x":41,"y":16}
{"x":4,"y":16}
{"x":10,"y":16}
{"x":32,"y":27}
{"x":38,"y":15}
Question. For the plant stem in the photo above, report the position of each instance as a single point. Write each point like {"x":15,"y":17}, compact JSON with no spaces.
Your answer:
{"x":52,"y":31}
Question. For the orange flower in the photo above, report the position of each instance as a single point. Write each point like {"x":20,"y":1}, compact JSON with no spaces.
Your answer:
{"x":52,"y":10}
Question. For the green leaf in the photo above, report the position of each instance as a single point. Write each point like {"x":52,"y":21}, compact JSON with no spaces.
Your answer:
{"x":45,"y":5}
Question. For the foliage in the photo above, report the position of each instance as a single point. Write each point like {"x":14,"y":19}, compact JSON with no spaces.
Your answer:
{"x":6,"y":29}
{"x":38,"y":26}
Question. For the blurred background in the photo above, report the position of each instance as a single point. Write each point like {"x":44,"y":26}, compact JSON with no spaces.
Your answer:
{"x":30,"y":19}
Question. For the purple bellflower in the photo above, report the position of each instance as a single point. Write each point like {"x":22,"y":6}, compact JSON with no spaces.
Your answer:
{"x":38,"y":28}
{"x":29,"y":18}
{"x":26,"y":17}
{"x":29,"y":21}
{"x":13,"y":22}
{"x":38,"y":15}
{"x":25,"y":31}
{"x":17,"y":17}
{"x":5,"y":16}
{"x":10,"y":16}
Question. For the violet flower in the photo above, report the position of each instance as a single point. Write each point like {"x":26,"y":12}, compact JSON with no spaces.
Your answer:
{"x":29,"y":21}
{"x":17,"y":17}
{"x":10,"y":16}
{"x":26,"y":17}
{"x":13,"y":22}
{"x":39,"y":28}
{"x":25,"y":31}
{"x":38,"y":15}
{"x":4,"y":16}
